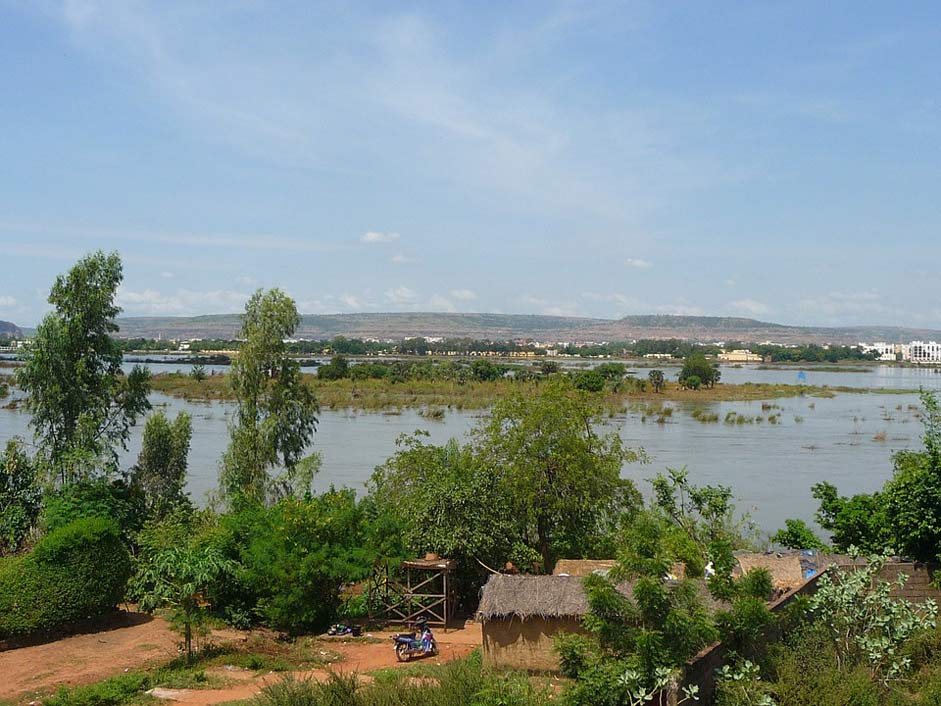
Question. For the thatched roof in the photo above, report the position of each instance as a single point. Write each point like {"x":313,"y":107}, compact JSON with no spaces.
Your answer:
{"x":786,"y":571}
{"x":524,"y":597}
{"x":583,"y":567}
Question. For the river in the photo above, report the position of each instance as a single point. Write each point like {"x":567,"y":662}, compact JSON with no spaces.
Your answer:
{"x":848,"y":439}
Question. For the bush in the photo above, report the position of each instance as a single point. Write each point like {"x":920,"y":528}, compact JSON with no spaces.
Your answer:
{"x":116,"y":500}
{"x":73,"y":573}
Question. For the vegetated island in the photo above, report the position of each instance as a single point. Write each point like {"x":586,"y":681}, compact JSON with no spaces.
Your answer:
{"x":416,"y":394}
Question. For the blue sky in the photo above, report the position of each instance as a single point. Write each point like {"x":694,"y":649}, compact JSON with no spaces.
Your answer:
{"x":776,"y":160}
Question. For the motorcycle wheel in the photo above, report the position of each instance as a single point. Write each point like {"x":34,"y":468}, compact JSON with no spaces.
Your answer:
{"x":402,"y":652}
{"x":434,"y":649}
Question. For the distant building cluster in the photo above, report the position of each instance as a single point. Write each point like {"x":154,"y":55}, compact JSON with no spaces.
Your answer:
{"x":914,"y":352}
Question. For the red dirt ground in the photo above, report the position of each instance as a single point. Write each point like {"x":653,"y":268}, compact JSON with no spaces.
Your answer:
{"x":134,"y":640}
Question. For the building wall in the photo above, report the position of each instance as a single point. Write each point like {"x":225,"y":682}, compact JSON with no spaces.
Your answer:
{"x":526,"y":645}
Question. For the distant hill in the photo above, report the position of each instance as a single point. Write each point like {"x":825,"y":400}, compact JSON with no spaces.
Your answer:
{"x":10,"y":330}
{"x":533,"y":327}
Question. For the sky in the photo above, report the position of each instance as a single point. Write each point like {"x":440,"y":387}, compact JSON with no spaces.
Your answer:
{"x":780,"y":161}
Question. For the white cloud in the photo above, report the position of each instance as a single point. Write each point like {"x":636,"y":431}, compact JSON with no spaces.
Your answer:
{"x":167,"y":275}
{"x":730,"y":282}
{"x":749,"y":306}
{"x":400,"y":259}
{"x":7,"y":302}
{"x":638,"y":263}
{"x":834,"y":303}
{"x":183,"y":302}
{"x":439,"y":303}
{"x":562,"y":309}
{"x":464,"y":295}
{"x":401,"y":296}
{"x":374,"y":236}
{"x":351,"y":301}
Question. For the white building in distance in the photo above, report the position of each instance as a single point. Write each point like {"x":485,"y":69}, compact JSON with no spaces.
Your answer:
{"x":927,"y":352}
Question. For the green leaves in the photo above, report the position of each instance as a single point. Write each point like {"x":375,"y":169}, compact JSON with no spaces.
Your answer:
{"x":82,"y":404}
{"x":277,"y":413}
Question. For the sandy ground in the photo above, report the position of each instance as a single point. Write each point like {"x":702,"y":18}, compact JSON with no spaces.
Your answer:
{"x":133,"y":641}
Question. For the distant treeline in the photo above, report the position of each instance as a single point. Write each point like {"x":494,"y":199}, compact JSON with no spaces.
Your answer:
{"x":674,"y":347}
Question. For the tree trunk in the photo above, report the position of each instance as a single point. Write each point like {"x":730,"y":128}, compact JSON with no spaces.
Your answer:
{"x":542,"y":527}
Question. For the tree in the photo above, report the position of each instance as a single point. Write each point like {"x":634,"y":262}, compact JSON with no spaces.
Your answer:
{"x":277,"y":412}
{"x":905,"y":516}
{"x":589,"y":380}
{"x":443,"y":499}
{"x":656,"y":379}
{"x":20,"y":497}
{"x":337,"y":369}
{"x":697,"y":366}
{"x":797,"y":535}
{"x":198,"y":372}
{"x":161,"y":466}
{"x":179,"y":578}
{"x":81,"y":402}
{"x":562,"y":478}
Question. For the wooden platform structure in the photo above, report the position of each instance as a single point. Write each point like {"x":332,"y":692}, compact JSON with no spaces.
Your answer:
{"x":424,"y":590}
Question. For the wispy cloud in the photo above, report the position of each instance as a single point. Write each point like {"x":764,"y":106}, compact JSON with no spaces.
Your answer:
{"x":374,"y":236}
{"x":749,"y":306}
{"x":638,"y":263}
{"x":7,"y":302}
{"x":464,"y":295}
{"x":401,"y":296}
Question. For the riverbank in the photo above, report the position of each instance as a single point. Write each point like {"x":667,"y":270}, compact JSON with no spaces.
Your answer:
{"x":383,"y":394}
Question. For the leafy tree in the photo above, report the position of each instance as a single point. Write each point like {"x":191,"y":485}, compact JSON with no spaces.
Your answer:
{"x":277,"y":412}
{"x":337,"y":369}
{"x":611,"y":371}
{"x":198,"y":372}
{"x":293,"y":559}
{"x":485,"y":371}
{"x":589,"y":380}
{"x":161,"y":466}
{"x":116,"y":500}
{"x":20,"y":497}
{"x":696,"y":366}
{"x":656,"y":379}
{"x":443,"y":499}
{"x":912,"y":497}
{"x":180,"y":578}
{"x":562,"y":478}
{"x":692,"y":382}
{"x":905,"y":516}
{"x":82,"y":404}
{"x":797,"y":535}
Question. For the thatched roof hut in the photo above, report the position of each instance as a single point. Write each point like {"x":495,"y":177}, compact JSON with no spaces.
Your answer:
{"x":785,"y":569}
{"x":522,"y":615}
{"x":526,"y":597}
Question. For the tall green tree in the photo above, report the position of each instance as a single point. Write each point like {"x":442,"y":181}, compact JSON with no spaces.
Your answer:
{"x":277,"y":412}
{"x":696,"y":366}
{"x":656,"y":379}
{"x":82,"y":404}
{"x":562,"y":477}
{"x":20,"y":496}
{"x":160,"y":471}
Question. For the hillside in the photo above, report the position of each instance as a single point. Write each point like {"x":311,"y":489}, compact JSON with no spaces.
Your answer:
{"x":533,"y":327}
{"x":10,"y":330}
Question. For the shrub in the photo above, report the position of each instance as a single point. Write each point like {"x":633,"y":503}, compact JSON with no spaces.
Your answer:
{"x":797,"y":535}
{"x":116,"y":500}
{"x":73,"y":573}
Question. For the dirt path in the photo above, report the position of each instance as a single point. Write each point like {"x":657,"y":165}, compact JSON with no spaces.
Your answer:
{"x":358,"y":657}
{"x":135,"y":640}
{"x":129,"y":641}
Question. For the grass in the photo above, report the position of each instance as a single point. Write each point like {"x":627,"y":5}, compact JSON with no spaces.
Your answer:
{"x":261,"y":654}
{"x":435,"y":397}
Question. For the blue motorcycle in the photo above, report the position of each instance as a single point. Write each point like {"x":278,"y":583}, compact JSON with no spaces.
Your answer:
{"x":408,"y":644}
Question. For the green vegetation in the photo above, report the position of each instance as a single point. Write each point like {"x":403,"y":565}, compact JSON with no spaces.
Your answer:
{"x":276,"y":411}
{"x":535,"y":481}
{"x":905,"y":515}
{"x":81,"y":403}
{"x":73,"y":573}
{"x":20,"y":497}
